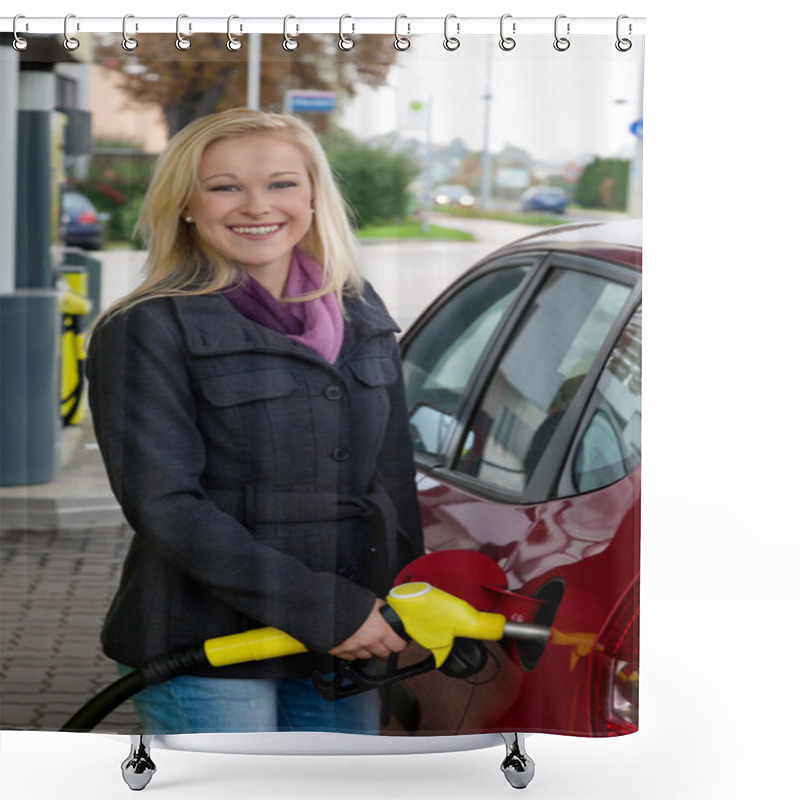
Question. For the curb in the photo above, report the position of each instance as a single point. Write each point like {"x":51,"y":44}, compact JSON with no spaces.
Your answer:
{"x":78,"y":497}
{"x":49,"y":514}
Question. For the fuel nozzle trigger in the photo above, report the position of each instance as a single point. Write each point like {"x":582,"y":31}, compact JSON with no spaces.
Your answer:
{"x":353,"y":677}
{"x":453,"y":656}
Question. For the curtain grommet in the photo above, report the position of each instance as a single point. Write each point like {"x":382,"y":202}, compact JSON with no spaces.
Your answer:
{"x":401,"y":43}
{"x":19,"y":43}
{"x":507,"y":43}
{"x":71,"y":44}
{"x":290,"y":43}
{"x":233,"y":44}
{"x":451,"y":43}
{"x":623,"y":44}
{"x":561,"y":43}
{"x":181,"y":42}
{"x":129,"y":43}
{"x":345,"y":42}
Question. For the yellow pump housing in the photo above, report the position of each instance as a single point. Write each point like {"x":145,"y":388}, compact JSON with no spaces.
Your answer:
{"x":75,"y":305}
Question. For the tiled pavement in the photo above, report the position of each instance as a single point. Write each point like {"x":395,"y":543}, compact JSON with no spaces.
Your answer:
{"x":55,"y":587}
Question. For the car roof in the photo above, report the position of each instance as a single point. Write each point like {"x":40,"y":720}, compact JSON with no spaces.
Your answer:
{"x":619,"y":241}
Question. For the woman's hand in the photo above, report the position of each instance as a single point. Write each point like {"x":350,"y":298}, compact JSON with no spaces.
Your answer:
{"x":374,"y":638}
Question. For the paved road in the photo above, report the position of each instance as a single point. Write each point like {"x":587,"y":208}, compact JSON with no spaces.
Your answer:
{"x":410,"y":274}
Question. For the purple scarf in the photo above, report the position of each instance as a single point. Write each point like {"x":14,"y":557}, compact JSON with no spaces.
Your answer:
{"x":317,"y":323}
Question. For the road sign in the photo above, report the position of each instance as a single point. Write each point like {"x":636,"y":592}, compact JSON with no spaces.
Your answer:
{"x":636,"y":129}
{"x":310,"y":102}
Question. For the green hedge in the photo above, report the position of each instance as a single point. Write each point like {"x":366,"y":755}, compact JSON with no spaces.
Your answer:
{"x":604,"y":184}
{"x":373,"y":181}
{"x":116,"y":185}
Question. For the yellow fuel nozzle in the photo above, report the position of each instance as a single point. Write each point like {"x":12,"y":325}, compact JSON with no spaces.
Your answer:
{"x":433,"y":618}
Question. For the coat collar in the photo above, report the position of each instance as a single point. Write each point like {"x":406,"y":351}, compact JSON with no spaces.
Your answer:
{"x":211,"y":326}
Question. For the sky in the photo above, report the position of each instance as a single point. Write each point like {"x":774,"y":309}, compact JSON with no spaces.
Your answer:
{"x":557,"y":106}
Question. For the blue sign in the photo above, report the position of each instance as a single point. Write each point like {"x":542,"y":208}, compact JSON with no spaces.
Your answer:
{"x":312,"y":102}
{"x":636,"y":129}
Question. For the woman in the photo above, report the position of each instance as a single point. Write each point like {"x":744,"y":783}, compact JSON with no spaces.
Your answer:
{"x":249,"y":406}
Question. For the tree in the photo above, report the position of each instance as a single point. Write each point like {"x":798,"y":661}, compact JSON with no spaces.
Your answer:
{"x":208,"y":77}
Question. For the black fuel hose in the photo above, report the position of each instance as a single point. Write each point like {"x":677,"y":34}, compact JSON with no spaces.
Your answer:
{"x":160,"y":669}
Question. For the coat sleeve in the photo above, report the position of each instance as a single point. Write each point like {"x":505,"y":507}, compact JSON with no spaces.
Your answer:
{"x":143,"y":407}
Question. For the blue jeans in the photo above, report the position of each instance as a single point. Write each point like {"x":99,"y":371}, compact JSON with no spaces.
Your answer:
{"x":187,"y":704}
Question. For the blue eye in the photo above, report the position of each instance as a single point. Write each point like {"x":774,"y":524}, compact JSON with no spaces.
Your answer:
{"x":225,"y":188}
{"x":283,"y":184}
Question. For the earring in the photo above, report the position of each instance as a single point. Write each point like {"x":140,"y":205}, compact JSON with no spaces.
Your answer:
{"x":188,"y":220}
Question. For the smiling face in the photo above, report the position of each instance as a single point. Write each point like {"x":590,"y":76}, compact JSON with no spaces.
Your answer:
{"x":253,"y":204}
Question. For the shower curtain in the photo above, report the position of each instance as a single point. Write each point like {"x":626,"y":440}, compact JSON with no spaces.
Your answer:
{"x":449,"y":143}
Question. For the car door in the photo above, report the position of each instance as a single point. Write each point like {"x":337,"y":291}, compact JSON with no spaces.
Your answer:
{"x":499,"y":374}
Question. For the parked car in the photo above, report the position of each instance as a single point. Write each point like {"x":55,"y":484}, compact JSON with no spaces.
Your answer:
{"x":524,"y":388}
{"x":545,"y":198}
{"x":452,"y":194}
{"x":81,"y":223}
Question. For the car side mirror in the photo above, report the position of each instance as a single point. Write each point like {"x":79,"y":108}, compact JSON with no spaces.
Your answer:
{"x":430,"y":428}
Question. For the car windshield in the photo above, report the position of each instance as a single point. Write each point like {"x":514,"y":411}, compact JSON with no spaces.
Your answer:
{"x":76,"y":202}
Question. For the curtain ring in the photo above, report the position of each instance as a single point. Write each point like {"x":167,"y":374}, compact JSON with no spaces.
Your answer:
{"x":70,"y":42}
{"x":128,"y":42}
{"x":506,"y":42}
{"x":561,"y":43}
{"x":401,"y":42}
{"x":20,"y":43}
{"x":290,"y":43}
{"x":233,"y":44}
{"x":451,"y":43}
{"x":345,"y":42}
{"x":623,"y":45}
{"x":182,"y":43}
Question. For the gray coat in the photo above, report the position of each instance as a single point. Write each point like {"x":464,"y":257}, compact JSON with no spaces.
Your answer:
{"x":264,"y":485}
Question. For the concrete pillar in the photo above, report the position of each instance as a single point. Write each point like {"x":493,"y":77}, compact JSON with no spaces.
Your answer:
{"x":9,"y":99}
{"x":37,"y":90}
{"x":29,"y":314}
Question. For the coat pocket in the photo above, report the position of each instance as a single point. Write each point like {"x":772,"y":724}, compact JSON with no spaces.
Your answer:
{"x":376,"y":371}
{"x":247,"y":387}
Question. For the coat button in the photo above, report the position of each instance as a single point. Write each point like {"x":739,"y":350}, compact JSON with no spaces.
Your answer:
{"x":333,"y":392}
{"x":340,"y":454}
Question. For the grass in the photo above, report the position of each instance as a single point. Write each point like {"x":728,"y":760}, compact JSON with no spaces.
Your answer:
{"x":506,"y":216}
{"x":413,"y":230}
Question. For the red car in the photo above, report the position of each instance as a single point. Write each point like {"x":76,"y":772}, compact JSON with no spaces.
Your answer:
{"x":524,"y":390}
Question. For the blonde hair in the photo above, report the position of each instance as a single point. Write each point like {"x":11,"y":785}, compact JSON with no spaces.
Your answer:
{"x":180,"y":263}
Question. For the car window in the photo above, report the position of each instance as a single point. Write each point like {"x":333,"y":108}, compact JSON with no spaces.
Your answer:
{"x":441,"y":358}
{"x":611,"y":445}
{"x":543,"y":367}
